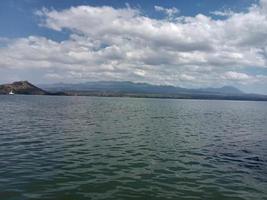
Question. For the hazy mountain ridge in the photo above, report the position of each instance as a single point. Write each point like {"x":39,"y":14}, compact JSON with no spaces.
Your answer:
{"x":130,"y":87}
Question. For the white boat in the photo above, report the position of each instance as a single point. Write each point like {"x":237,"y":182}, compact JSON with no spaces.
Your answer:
{"x":11,"y":92}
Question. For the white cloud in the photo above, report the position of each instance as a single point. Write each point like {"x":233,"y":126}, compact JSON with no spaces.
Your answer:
{"x":54,"y":76}
{"x":170,"y":12}
{"x":124,"y":44}
{"x":185,"y":77}
{"x":225,"y":13}
{"x":236,"y":76}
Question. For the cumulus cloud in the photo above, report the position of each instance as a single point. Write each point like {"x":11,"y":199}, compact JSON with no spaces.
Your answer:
{"x":124,"y":44}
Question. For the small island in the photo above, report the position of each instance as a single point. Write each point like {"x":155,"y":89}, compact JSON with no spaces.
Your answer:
{"x":21,"y":87}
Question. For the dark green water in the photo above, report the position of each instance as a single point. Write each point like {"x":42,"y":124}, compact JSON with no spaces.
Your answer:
{"x":124,"y":148}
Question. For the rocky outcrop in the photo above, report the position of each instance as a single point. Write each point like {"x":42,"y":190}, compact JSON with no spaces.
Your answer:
{"x":21,"y":87}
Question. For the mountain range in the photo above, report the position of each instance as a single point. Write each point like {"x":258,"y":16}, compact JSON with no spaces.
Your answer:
{"x":128,"y":89}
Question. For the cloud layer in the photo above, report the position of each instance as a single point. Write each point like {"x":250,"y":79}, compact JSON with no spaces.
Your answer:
{"x":124,"y":44}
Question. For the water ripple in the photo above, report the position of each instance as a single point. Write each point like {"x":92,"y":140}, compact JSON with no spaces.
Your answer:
{"x":126,"y":148}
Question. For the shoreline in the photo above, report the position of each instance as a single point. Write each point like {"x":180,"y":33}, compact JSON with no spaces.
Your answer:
{"x":151,"y":96}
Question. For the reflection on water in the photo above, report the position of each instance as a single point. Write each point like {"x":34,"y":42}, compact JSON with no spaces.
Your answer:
{"x":126,"y":148}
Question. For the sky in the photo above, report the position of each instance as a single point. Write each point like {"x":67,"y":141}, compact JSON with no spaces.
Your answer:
{"x":186,"y":43}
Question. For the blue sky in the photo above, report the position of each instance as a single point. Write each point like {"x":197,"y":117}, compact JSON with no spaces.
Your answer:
{"x":17,"y":17}
{"x":188,"y":43}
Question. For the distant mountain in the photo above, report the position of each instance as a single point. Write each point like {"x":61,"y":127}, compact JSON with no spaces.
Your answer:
{"x":143,"y":88}
{"x":129,"y":89}
{"x":222,"y":90}
{"x":21,"y":87}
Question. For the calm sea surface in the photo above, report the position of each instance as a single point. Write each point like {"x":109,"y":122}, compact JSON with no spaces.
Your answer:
{"x":75,"y":148}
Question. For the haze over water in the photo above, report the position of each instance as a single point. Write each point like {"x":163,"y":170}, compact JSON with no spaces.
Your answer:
{"x":127,"y":148}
